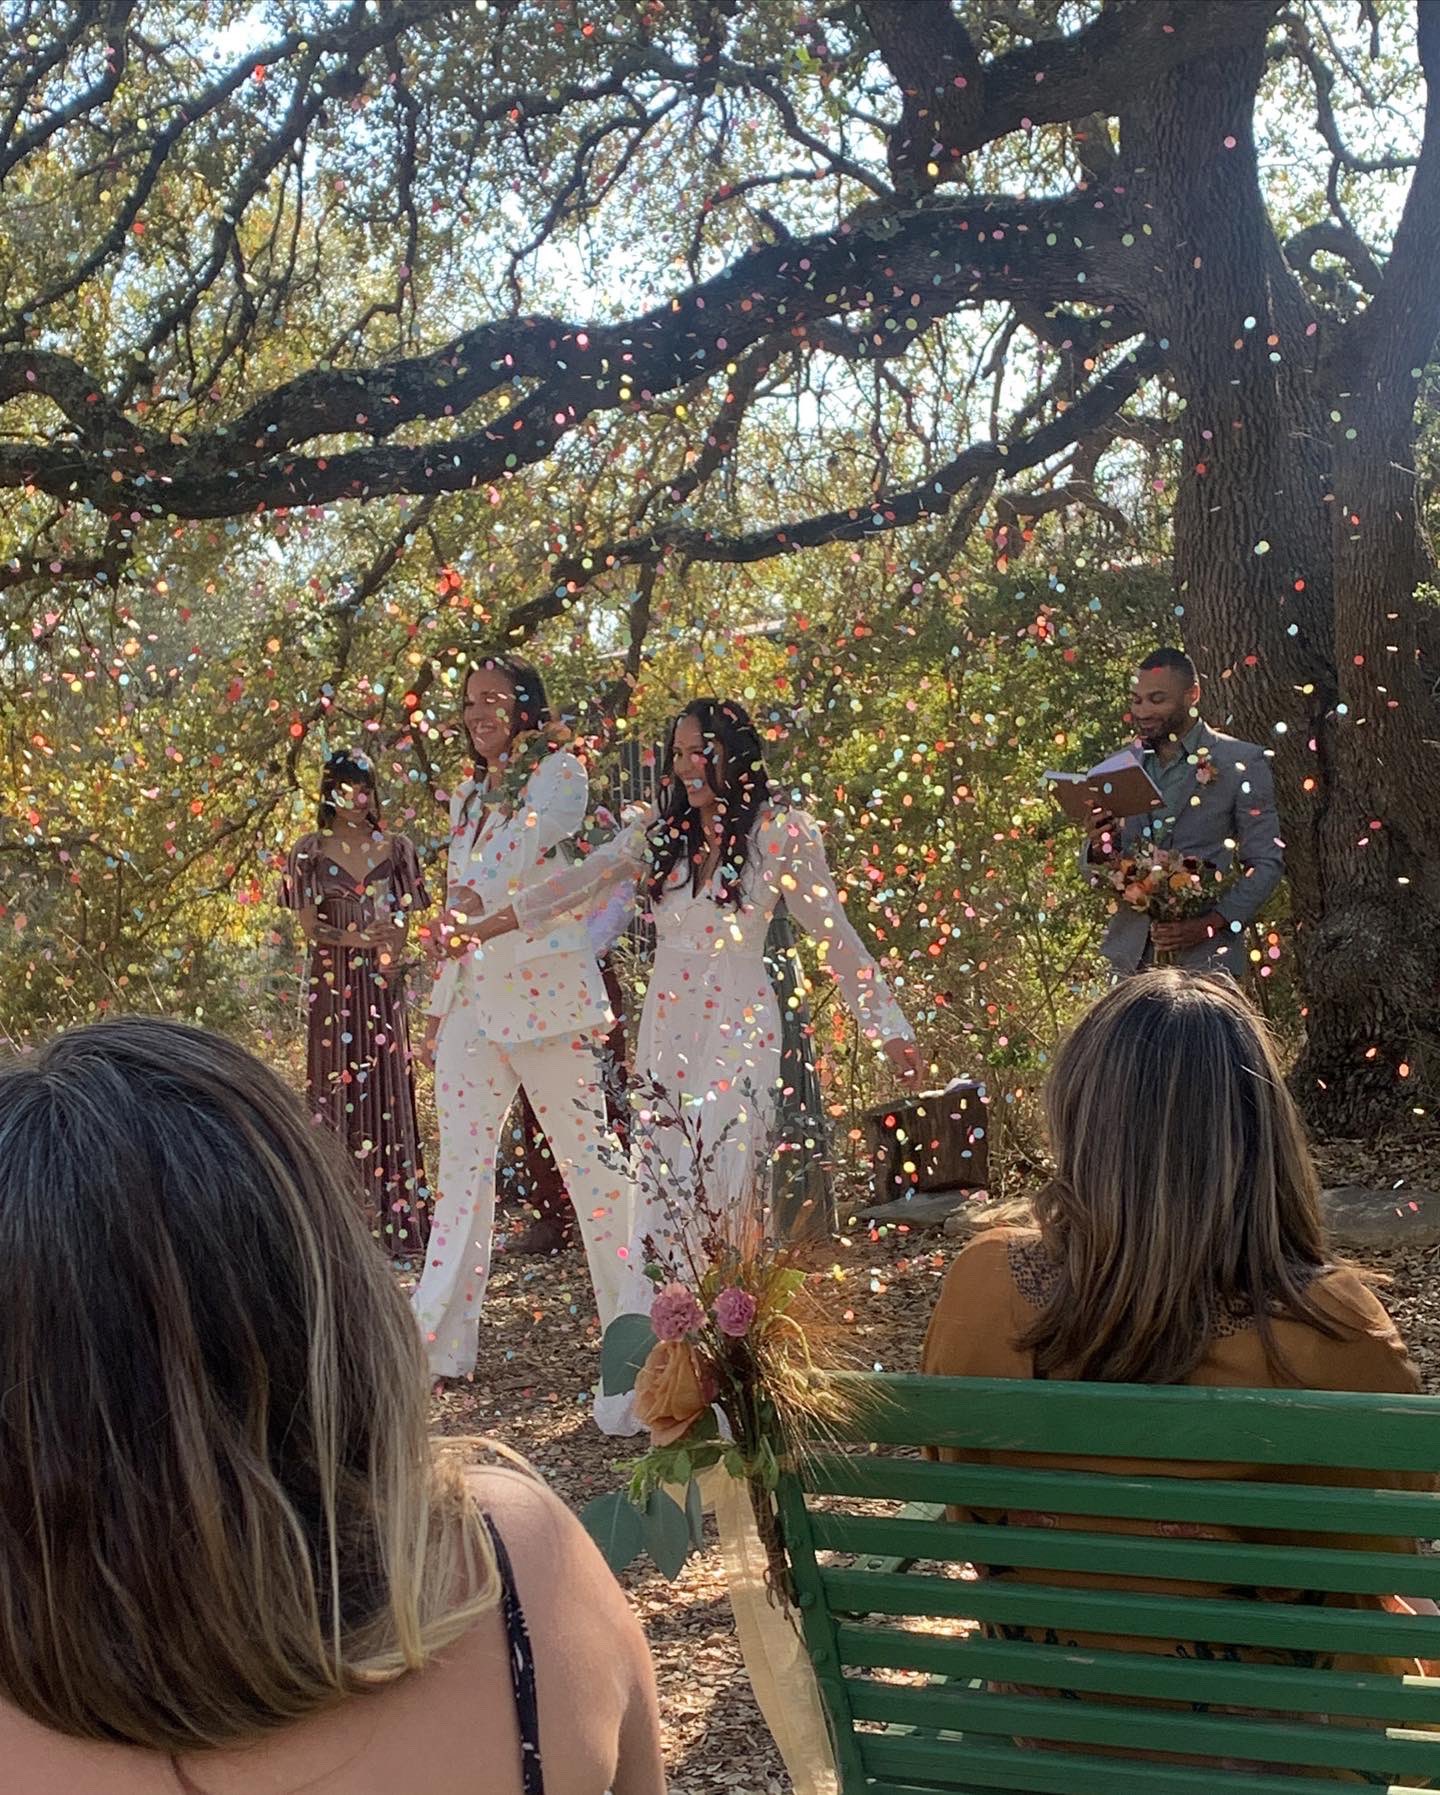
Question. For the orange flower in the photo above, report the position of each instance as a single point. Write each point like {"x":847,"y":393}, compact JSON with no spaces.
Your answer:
{"x":671,"y":1392}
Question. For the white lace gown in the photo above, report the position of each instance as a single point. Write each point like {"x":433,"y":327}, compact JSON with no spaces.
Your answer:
{"x":710,"y":1029}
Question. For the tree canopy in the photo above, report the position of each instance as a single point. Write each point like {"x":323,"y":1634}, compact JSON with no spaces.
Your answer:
{"x":332,"y":338}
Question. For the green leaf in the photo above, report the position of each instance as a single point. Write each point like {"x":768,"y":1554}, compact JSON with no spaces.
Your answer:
{"x":695,"y":1516}
{"x":617,"y":1527}
{"x":706,"y":1428}
{"x":667,"y":1534}
{"x":734,"y":1462}
{"x":628,"y":1342}
{"x":684,"y":1467}
{"x":786,"y":1285}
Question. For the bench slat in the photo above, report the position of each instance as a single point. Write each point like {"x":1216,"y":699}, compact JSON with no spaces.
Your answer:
{"x":1187,"y":1422}
{"x":1128,"y":1555}
{"x":1415,"y":1701}
{"x":972,"y":1730}
{"x":1310,"y":1508}
{"x":1263,"y":1740}
{"x":1289,"y":1625}
{"x":962,"y":1765}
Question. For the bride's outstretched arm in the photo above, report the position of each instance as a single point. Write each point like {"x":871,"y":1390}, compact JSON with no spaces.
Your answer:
{"x":808,"y":887}
{"x":584,"y":886}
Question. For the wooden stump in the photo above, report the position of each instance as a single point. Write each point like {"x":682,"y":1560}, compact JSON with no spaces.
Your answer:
{"x":935,"y":1140}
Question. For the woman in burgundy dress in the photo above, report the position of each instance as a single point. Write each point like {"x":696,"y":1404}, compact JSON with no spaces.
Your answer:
{"x":354,"y":889}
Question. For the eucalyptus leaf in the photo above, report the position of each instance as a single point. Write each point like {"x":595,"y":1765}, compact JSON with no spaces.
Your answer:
{"x":617,"y":1527}
{"x":695,"y":1515}
{"x":667,"y":1534}
{"x":629,"y":1341}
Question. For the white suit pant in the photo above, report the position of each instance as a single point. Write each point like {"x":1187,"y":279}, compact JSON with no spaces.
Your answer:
{"x":475,"y":1082}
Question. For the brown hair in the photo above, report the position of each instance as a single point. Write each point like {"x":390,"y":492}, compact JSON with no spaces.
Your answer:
{"x":1184,"y":1188}
{"x":218,"y":1509}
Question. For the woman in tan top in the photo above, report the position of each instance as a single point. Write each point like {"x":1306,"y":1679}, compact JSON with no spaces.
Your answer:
{"x":229,"y":1562}
{"x":1179,"y":1242}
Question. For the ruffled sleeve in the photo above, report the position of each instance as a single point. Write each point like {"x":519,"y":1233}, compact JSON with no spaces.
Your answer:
{"x":299,"y":887}
{"x":793,"y":857}
{"x":408,"y":891}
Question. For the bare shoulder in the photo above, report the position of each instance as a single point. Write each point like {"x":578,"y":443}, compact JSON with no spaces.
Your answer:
{"x":516,"y":1498}
{"x":545,"y":1541}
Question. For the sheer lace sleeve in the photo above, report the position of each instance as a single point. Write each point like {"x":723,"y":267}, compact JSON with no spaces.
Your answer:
{"x":585,"y":887}
{"x":795,"y":861}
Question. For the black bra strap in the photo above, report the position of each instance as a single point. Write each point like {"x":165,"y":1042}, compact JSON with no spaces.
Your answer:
{"x":522,"y":1669}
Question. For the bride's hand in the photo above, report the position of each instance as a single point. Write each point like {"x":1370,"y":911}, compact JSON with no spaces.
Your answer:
{"x":904,"y":1058}
{"x":459,"y":931}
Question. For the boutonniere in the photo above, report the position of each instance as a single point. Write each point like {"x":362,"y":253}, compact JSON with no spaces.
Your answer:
{"x":1206,"y":771}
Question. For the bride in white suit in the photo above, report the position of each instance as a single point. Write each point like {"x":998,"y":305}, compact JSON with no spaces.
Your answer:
{"x":529,"y":1011}
{"x":716,"y":861}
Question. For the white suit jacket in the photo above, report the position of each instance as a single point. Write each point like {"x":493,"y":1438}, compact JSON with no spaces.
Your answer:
{"x":524,"y":986}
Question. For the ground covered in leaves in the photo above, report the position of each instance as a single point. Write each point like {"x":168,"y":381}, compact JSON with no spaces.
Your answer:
{"x":539,"y":1358}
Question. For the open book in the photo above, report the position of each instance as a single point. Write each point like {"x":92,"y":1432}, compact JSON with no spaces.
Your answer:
{"x":1120,"y":785}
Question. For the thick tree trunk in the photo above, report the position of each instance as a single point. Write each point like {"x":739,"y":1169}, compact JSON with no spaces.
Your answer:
{"x":1372,"y":963}
{"x":1296,"y":557}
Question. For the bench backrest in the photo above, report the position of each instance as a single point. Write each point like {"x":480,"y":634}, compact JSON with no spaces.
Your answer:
{"x":957,"y":1720}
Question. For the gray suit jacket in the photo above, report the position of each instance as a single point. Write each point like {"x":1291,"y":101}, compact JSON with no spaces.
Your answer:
{"x":1227,"y":819}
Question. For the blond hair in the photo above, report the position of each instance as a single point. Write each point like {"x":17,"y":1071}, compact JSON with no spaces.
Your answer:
{"x":219,"y":1511}
{"x":1184,"y":1190}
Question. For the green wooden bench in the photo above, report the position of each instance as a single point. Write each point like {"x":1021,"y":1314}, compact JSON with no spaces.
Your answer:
{"x":959,"y":1730}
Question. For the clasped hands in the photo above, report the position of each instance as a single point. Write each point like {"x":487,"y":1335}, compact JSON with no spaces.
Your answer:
{"x":1191,"y":931}
{"x":465,"y":924}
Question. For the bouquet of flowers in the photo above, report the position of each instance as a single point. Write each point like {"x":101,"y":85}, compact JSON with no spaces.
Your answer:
{"x":1166,"y":886}
{"x":723,"y":1374}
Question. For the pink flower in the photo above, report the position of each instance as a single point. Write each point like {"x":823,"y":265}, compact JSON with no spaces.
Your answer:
{"x":734,"y":1311}
{"x":675,"y":1313}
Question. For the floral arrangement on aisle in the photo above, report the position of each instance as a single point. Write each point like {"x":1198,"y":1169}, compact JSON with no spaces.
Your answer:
{"x":1166,"y":886}
{"x":723,"y":1374}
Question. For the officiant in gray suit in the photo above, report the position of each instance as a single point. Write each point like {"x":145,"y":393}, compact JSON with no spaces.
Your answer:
{"x":1217,"y":803}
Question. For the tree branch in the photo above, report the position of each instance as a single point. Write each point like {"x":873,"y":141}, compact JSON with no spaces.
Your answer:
{"x":968,"y":103}
{"x":950,"y":252}
{"x":932,"y":497}
{"x":1336,"y":239}
{"x":1397,"y":332}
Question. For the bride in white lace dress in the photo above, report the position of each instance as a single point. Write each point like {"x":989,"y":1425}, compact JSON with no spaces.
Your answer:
{"x":716,"y":860}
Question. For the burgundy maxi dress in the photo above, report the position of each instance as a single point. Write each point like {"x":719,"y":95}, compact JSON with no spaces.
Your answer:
{"x":358,"y":1070}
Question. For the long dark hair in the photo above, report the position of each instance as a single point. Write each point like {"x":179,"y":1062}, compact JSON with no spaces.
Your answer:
{"x":345,"y":767}
{"x":1184,"y":1191}
{"x":532,"y":707}
{"x":744,"y":789}
{"x":198,"y":1339}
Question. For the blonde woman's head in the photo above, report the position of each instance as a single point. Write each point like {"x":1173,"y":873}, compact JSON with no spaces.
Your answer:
{"x":1184,"y":1189}
{"x":218,"y":1511}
